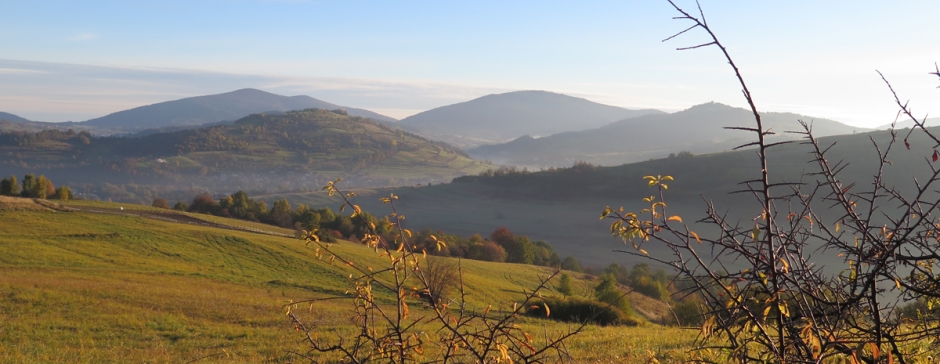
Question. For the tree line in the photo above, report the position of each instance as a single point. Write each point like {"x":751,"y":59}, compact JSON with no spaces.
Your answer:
{"x":34,"y":187}
{"x":500,"y":246}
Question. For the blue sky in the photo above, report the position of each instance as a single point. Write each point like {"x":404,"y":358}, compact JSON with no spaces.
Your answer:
{"x":74,"y":60}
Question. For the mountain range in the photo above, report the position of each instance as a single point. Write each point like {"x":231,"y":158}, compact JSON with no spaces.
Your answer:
{"x":503,"y":117}
{"x":699,"y":129}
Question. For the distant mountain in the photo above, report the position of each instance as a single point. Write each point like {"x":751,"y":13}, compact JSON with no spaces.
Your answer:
{"x":699,"y":129}
{"x":503,"y":117}
{"x":10,"y":117}
{"x":903,"y":124}
{"x":292,"y":150}
{"x":214,"y":108}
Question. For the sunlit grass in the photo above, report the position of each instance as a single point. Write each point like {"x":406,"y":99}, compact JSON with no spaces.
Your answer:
{"x":85,"y":287}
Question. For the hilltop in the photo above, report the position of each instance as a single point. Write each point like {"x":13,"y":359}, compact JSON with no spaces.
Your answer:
{"x":699,"y":129}
{"x":503,"y":117}
{"x":298,"y":149}
{"x":193,"y":111}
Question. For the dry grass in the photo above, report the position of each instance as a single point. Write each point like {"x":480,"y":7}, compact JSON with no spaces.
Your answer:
{"x":8,"y":203}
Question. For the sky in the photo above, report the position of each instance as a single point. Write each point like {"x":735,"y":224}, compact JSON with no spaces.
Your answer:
{"x":76,"y":60}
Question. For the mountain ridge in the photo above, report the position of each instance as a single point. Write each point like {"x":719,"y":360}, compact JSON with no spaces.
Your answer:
{"x":503,"y":117}
{"x":698,"y":129}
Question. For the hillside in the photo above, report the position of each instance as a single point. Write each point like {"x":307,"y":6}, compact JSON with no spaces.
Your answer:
{"x":294,"y":150}
{"x":561,"y":206}
{"x":228,"y":106}
{"x":503,"y":117}
{"x":10,"y":117}
{"x":108,"y":287}
{"x":698,"y":129}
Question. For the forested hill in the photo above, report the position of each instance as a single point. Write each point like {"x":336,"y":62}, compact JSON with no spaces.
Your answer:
{"x":294,"y":147}
{"x":498,"y":118}
{"x":699,"y":129}
{"x":228,"y":106}
{"x":562,"y":205}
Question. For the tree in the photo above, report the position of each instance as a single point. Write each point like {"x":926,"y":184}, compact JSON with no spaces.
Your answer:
{"x":606,"y":291}
{"x":492,"y":252}
{"x":441,"y":275}
{"x":564,"y":285}
{"x":35,"y":187}
{"x":571,"y":263}
{"x":9,"y":187}
{"x":520,"y":250}
{"x":281,"y":213}
{"x":64,"y":193}
{"x":204,"y":203}
{"x":160,"y":203}
{"x":49,"y":187}
{"x":180,"y":206}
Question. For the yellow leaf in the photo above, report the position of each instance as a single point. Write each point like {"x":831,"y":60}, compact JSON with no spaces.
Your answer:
{"x":837,"y":226}
{"x":644,"y":252}
{"x":547,"y":311}
{"x":675,"y":218}
{"x":695,"y":235}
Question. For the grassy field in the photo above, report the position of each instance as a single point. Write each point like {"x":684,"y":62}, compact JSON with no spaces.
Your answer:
{"x":90,"y":287}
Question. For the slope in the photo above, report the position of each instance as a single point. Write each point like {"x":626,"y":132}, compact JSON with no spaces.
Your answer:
{"x":698,"y":129}
{"x":299,"y":149}
{"x":214,"y":108}
{"x":502,"y":117}
{"x":92,"y":287}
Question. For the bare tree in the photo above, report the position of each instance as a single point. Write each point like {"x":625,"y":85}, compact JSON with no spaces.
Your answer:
{"x":765,"y":299}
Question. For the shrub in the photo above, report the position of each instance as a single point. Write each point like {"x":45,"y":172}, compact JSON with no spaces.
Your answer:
{"x":581,"y":310}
